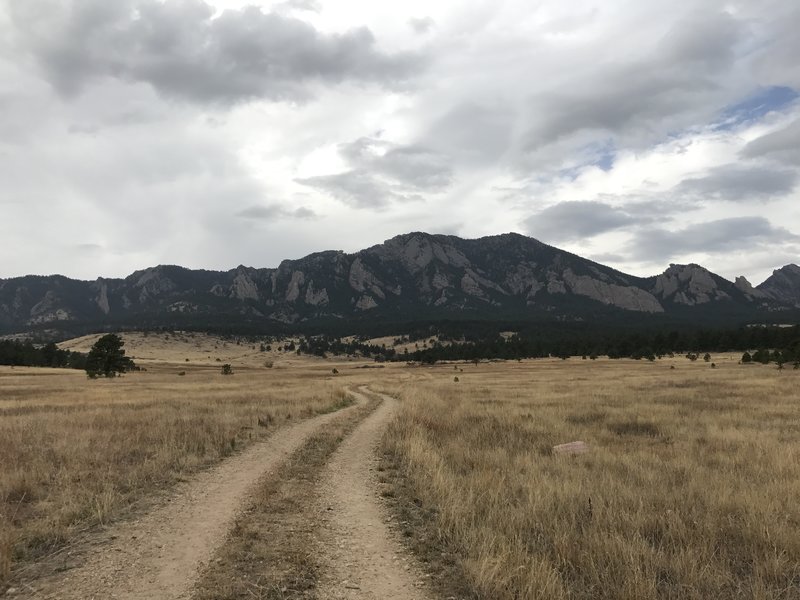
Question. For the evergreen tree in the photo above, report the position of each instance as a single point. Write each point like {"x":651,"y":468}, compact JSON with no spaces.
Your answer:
{"x":107,"y":358}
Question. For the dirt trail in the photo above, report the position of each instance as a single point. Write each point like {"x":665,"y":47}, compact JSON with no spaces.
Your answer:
{"x":160,"y":554}
{"x":363,"y":558}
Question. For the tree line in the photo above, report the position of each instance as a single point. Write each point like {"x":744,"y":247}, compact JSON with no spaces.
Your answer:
{"x":431,"y":343}
{"x":26,"y":354}
{"x":767,"y":344}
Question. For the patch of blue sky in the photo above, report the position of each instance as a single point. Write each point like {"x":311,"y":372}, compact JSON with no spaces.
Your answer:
{"x":600,"y":154}
{"x":756,"y":106}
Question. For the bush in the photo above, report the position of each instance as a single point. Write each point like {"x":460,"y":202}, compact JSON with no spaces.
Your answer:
{"x":227,"y":369}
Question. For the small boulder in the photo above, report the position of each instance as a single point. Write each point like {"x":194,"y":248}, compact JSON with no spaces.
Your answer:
{"x":577,"y":447}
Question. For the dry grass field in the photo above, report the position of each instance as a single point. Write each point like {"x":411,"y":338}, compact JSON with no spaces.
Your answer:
{"x":76,"y":453}
{"x":689,"y":489}
{"x":192,"y":349}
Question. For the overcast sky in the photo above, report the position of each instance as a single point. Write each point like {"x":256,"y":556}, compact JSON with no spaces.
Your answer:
{"x":212,"y":134}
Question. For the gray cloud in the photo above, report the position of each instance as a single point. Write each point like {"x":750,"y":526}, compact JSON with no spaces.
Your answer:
{"x":723,"y":235}
{"x":777,"y":56}
{"x":359,"y":189}
{"x":307,"y":5}
{"x":416,"y":166}
{"x":383,"y":173}
{"x":608,"y":257}
{"x":739,"y":183}
{"x":644,"y":95}
{"x":478,"y":134}
{"x":412,"y":165}
{"x":116,"y":121}
{"x":89,"y":247}
{"x":274,"y":211}
{"x":707,"y":38}
{"x":575,"y":220}
{"x":782,"y":145}
{"x":185,"y":52}
{"x":421,"y":25}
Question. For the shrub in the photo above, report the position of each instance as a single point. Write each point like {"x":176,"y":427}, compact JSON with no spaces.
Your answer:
{"x":227,"y":369}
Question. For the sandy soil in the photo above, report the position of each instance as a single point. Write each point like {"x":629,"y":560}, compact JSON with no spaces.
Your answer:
{"x":362,"y":557}
{"x":160,"y":554}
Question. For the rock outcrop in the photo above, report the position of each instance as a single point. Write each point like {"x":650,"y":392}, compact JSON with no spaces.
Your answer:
{"x":783,"y":285}
{"x":689,"y":285}
{"x":625,"y":297}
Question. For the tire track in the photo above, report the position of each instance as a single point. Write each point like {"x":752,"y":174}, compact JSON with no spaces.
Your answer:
{"x":160,"y":554}
{"x":362,"y":558}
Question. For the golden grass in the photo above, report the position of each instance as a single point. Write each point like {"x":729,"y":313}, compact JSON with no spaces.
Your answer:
{"x":76,"y":453}
{"x":689,"y":490}
{"x":193,"y":349}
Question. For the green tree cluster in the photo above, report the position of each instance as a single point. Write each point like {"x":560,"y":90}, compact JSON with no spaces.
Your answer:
{"x":107,"y":358}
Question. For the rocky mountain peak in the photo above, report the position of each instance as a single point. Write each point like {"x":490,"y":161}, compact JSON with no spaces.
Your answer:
{"x":783,"y":285}
{"x":688,"y":285}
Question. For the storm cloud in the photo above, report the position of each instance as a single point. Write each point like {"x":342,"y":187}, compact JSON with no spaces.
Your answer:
{"x":274,"y":212}
{"x":631,"y":97}
{"x":384,"y":173}
{"x":722,"y":235}
{"x":212,"y":133}
{"x":184,"y":51}
{"x":577,"y":220}
{"x":740,"y":183}
{"x":782,"y":145}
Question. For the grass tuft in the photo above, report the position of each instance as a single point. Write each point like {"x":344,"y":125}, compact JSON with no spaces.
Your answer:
{"x":635,"y":427}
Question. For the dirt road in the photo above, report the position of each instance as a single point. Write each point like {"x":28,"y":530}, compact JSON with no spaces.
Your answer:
{"x":362,"y":557}
{"x":160,"y":554}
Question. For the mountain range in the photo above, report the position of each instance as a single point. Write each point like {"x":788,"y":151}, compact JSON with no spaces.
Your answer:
{"x":411,"y":277}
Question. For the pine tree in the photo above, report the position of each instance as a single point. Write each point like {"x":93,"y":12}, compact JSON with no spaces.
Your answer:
{"x":107,"y":358}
